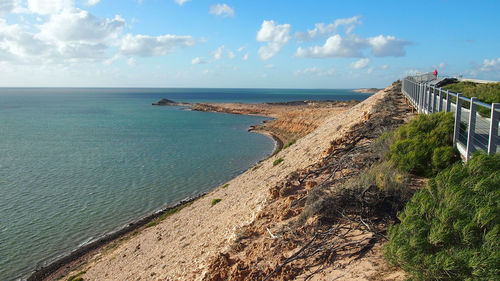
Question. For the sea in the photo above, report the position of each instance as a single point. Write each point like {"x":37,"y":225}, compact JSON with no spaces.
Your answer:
{"x":78,"y":163}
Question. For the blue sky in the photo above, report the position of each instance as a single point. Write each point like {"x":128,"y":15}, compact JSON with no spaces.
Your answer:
{"x":255,"y":44}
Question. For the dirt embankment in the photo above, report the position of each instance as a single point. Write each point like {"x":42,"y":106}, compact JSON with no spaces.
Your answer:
{"x":291,"y":120}
{"x":257,"y":226}
{"x":289,"y":240}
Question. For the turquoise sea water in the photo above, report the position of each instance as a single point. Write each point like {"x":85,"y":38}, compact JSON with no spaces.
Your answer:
{"x":78,"y":163}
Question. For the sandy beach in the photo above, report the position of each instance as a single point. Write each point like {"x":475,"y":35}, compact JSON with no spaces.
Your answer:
{"x":189,"y":244}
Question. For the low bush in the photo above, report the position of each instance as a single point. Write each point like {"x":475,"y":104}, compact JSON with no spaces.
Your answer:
{"x":277,"y":161}
{"x":450,"y":230}
{"x":290,"y":143}
{"x":379,"y":191}
{"x":485,"y":92}
{"x":215,"y":201}
{"x":424,"y":145}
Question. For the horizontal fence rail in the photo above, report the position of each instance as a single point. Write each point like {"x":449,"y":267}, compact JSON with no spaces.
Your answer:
{"x":476,"y":123}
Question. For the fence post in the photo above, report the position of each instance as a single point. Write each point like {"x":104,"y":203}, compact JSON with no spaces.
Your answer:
{"x":424,"y":106}
{"x":493,"y":136}
{"x":428,"y":100}
{"x":448,"y":103}
{"x":419,"y":89}
{"x":456,"y":128}
{"x":433,"y":99}
{"x":440,"y":100}
{"x":472,"y":128}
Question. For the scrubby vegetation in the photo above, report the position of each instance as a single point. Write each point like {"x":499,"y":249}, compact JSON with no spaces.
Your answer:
{"x":423,"y":146}
{"x":215,"y":201}
{"x":277,"y":161}
{"x":77,"y":277}
{"x":451,"y":229}
{"x":380,"y":191}
{"x":290,"y":143}
{"x":485,"y":92}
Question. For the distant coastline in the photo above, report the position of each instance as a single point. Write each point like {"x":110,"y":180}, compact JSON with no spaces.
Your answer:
{"x":367,"y":90}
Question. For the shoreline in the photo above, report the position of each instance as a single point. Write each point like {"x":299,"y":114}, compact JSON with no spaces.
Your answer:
{"x":77,"y":258}
{"x":74,"y":258}
{"x":69,"y":261}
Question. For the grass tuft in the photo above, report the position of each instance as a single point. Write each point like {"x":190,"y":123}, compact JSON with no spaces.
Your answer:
{"x":277,"y":161}
{"x":290,"y":143}
{"x":215,"y":201}
{"x":77,"y":277}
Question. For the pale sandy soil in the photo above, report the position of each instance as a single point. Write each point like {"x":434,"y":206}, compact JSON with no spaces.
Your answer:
{"x":182,"y":246}
{"x":292,"y":120}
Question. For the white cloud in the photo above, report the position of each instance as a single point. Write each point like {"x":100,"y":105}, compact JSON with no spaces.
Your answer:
{"x":490,"y":65}
{"x":314,"y":71}
{"x":7,"y":6}
{"x":198,"y":60}
{"x":269,"y":66}
{"x":240,"y":49}
{"x":384,"y":67}
{"x":77,"y":25}
{"x":360,"y":64}
{"x":353,"y":46}
{"x":322,"y":29}
{"x":18,"y":44}
{"x":384,"y":46}
{"x":218,"y":54}
{"x":132,"y":61}
{"x":441,"y":65}
{"x":222,"y":52}
{"x":221,"y":10}
{"x":181,"y":2}
{"x":92,"y":2}
{"x":46,"y":7}
{"x":276,"y":37}
{"x":144,"y":45}
{"x":245,"y":57}
{"x":335,"y":46}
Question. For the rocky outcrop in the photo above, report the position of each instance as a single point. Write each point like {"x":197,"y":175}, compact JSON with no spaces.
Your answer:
{"x":165,"y":102}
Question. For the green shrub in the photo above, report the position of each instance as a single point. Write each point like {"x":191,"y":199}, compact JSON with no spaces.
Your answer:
{"x":277,"y":161}
{"x":418,"y":144}
{"x":289,"y":143}
{"x":450,"y":230}
{"x":215,"y":201}
{"x":485,"y":92}
{"x":77,"y":277}
{"x":151,"y":224}
{"x":226,"y":185}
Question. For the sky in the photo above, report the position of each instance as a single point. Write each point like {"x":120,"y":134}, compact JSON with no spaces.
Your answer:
{"x":244,"y":43}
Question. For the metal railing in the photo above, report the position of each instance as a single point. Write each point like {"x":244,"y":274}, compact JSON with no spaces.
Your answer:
{"x":472,"y":131}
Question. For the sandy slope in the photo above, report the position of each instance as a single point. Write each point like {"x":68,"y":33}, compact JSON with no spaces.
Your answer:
{"x":181,"y":246}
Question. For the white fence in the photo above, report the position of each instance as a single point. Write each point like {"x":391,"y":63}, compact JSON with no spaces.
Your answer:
{"x":472,"y":131}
